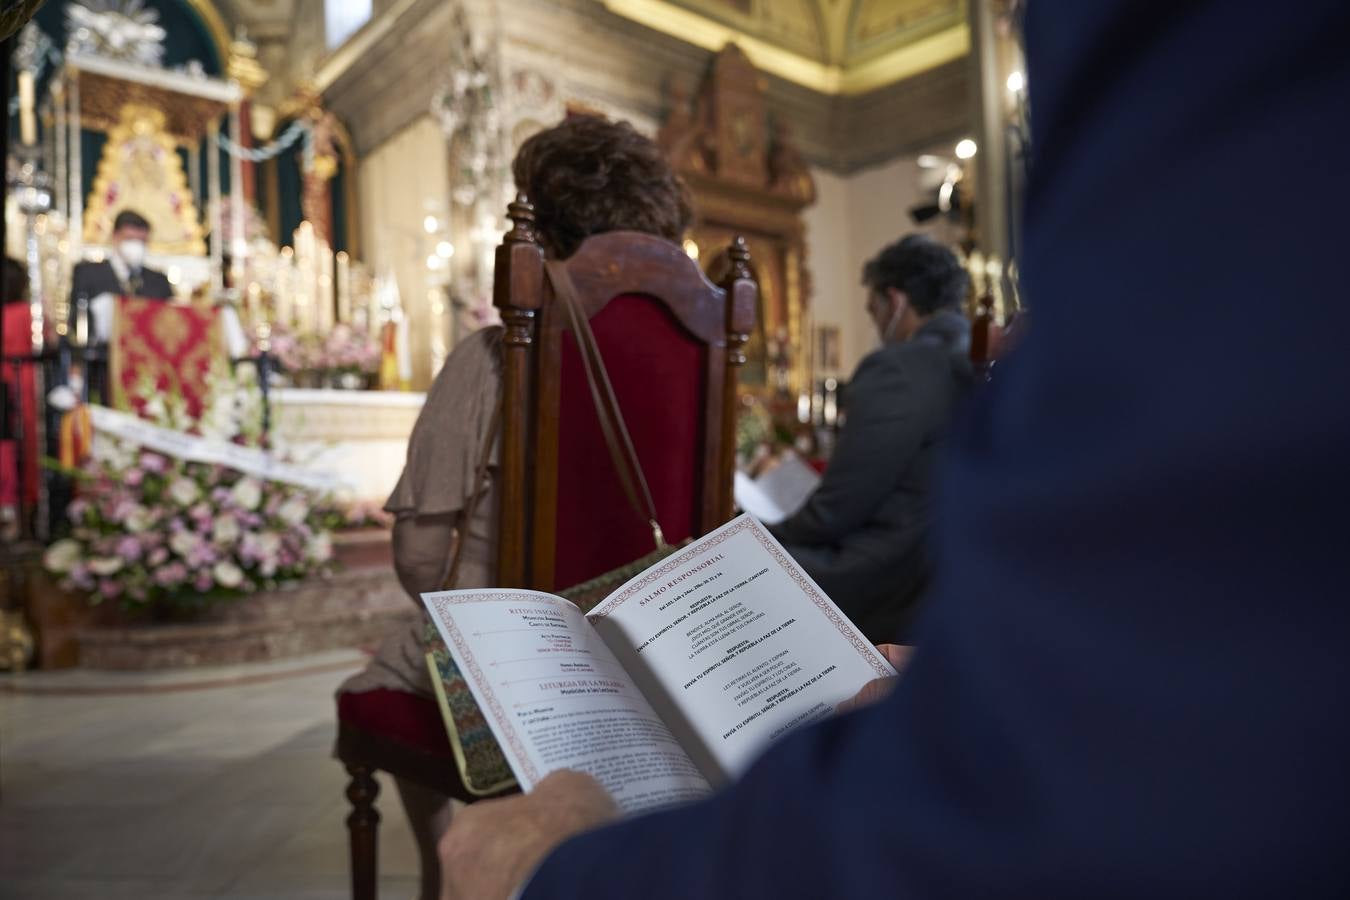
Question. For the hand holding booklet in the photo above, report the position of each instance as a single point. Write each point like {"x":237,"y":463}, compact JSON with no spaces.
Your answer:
{"x":670,"y":686}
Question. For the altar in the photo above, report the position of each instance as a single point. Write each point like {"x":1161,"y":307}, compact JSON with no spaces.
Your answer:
{"x":358,"y":437}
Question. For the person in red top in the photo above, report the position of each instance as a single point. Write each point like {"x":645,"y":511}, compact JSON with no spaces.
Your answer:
{"x":18,"y":433}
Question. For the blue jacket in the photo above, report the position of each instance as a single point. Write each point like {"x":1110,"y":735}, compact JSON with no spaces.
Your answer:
{"x":1132,"y":677}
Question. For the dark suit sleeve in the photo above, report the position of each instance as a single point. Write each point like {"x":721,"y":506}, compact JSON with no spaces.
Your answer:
{"x":885,"y":428}
{"x":155,"y":285}
{"x":1131,"y":676}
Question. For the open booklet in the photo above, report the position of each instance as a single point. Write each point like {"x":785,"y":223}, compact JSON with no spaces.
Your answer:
{"x":778,"y":493}
{"x":671,"y":685}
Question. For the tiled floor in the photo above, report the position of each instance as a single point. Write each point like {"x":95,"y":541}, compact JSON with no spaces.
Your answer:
{"x":182,"y":786}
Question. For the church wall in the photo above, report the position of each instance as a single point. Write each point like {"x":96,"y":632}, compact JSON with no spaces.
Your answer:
{"x":854,"y":217}
{"x":397,"y":179}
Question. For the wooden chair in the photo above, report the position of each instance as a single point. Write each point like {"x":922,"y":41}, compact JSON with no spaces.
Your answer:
{"x":672,"y":342}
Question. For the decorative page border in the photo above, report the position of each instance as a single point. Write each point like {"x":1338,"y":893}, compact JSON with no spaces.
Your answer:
{"x":786,"y":562}
{"x":500,"y":719}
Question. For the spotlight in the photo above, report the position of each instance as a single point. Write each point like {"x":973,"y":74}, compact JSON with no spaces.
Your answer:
{"x":966,"y":149}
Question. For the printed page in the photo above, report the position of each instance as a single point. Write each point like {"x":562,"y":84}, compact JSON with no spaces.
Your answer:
{"x":779,"y":492}
{"x":556,"y":698}
{"x":734,"y":645}
{"x":789,"y":484}
{"x":750,"y":497}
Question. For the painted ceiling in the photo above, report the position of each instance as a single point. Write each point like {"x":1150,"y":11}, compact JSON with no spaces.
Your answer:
{"x":838,"y":46}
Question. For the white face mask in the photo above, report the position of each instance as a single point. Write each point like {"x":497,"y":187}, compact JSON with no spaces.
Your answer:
{"x":132,"y":253}
{"x":897,"y":311}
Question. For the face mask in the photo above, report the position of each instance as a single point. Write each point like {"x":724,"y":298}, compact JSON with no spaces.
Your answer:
{"x":888,"y":333}
{"x":132,"y":253}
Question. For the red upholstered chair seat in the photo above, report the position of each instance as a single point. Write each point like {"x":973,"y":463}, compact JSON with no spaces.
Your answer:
{"x":658,"y":370}
{"x":396,"y":715}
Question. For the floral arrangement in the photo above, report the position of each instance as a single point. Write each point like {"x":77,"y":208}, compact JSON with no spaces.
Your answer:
{"x":169,"y":536}
{"x":345,"y":351}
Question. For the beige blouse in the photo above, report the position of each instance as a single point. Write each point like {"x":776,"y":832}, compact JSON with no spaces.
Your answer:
{"x":444,"y":454}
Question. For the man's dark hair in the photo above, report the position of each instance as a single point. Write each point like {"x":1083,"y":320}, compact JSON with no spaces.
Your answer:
{"x":129,"y":219}
{"x":929,"y":274}
{"x":588,"y":175}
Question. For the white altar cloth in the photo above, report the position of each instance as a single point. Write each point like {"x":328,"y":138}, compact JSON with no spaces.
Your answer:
{"x":359,"y":436}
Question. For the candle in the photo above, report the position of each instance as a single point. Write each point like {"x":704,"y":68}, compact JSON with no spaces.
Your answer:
{"x":253,"y":305}
{"x":27,"y":121}
{"x":344,"y":288}
{"x":282,"y":299}
{"x":373,"y":306}
{"x":305,"y":312}
{"x":324,"y":260}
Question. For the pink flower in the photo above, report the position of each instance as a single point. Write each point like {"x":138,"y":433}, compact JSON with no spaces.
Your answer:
{"x":154,"y":463}
{"x":80,"y":577}
{"x":172,"y":575}
{"x":202,"y":555}
{"x":203,"y":581}
{"x":157,"y":557}
{"x":133,"y":477}
{"x":109,"y":589}
{"x":129,"y":548}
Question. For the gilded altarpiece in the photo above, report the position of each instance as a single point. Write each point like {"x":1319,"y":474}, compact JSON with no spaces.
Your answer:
{"x":747,"y":179}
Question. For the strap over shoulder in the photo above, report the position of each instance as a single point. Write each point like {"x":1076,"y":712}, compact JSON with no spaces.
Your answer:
{"x":612,"y":425}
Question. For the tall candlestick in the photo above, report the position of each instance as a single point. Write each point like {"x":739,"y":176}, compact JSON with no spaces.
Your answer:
{"x":305,"y":301}
{"x":344,"y":288}
{"x":253,"y":305}
{"x":282,"y":297}
{"x":27,"y":119}
{"x":324,"y":279}
{"x":373,"y":306}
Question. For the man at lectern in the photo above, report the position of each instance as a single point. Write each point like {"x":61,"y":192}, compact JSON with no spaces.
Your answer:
{"x":122,"y":274}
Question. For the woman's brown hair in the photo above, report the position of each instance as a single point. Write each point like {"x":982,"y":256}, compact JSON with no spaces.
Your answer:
{"x":588,"y":175}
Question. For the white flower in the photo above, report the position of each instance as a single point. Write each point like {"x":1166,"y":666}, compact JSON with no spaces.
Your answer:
{"x":247,"y":493}
{"x":116,"y":455}
{"x":184,"y":542}
{"x":226,"y":530}
{"x":155,"y":409}
{"x":320,"y":548}
{"x":227,"y":574}
{"x":184,"y":491}
{"x":105,"y":565}
{"x":62,"y":556}
{"x":294,"y":510}
{"x":138,"y":519}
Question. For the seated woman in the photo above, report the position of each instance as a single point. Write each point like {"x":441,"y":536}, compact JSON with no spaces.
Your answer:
{"x":584,"y":176}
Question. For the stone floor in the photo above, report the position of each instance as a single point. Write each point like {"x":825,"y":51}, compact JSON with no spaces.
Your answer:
{"x":209,"y":783}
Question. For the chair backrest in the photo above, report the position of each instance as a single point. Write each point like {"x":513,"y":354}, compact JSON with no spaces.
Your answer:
{"x":672,"y":342}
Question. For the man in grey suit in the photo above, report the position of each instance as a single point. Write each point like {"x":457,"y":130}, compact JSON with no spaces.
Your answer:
{"x":861,"y":534}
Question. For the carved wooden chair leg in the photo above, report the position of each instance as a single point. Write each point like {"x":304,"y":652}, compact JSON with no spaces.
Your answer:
{"x":363,"y":825}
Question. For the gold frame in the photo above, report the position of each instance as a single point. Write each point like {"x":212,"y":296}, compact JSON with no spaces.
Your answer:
{"x":215,"y":26}
{"x":98,"y":209}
